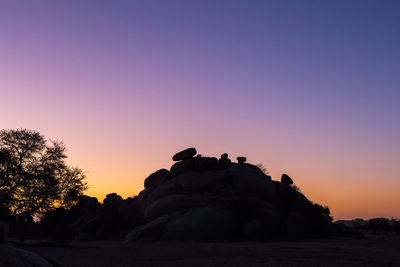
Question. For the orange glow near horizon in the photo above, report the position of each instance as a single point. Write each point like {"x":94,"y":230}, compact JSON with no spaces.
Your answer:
{"x":337,"y":187}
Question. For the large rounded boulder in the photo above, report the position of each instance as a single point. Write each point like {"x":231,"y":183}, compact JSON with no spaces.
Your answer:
{"x":185,"y":154}
{"x":15,"y":257}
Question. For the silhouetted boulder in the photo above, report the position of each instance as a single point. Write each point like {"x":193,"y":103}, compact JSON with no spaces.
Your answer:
{"x":86,"y":204}
{"x":205,"y":164}
{"x":185,"y":154}
{"x":197,"y":182}
{"x":112,"y":199}
{"x":142,"y":199}
{"x":202,"y":224}
{"x":268,"y":214}
{"x":175,"y":203}
{"x":224,"y":162}
{"x":194,"y":164}
{"x":285,"y":179}
{"x":111,"y":220}
{"x":151,"y":231}
{"x":15,"y":257}
{"x":157,"y":178}
{"x":182,"y":167}
{"x":241,"y":160}
{"x":169,"y":188}
{"x":250,"y":182}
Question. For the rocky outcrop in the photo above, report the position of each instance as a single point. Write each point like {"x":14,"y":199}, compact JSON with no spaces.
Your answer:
{"x":205,"y":199}
{"x":197,"y":199}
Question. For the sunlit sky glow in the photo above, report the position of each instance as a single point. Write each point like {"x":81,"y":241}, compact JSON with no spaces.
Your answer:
{"x":306,"y":87}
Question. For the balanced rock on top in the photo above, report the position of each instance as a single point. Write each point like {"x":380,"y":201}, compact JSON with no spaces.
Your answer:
{"x":241,"y":160}
{"x":285,"y":179}
{"x":185,"y":154}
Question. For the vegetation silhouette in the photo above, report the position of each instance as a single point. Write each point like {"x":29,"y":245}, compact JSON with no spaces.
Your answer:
{"x":374,"y":226}
{"x":34,"y":176}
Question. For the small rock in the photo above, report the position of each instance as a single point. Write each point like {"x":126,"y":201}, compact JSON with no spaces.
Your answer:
{"x":185,"y":154}
{"x":224,"y":162}
{"x":285,"y":179}
{"x":241,"y":160}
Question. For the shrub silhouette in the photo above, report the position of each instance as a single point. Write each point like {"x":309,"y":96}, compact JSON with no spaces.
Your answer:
{"x":263,"y":168}
{"x":396,"y":226}
{"x":379,"y":225}
{"x":295,"y":187}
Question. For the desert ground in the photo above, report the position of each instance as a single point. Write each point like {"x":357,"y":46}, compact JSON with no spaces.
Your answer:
{"x":373,"y":251}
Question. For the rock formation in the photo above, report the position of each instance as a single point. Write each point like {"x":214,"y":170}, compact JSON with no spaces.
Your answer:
{"x":197,"y":199}
{"x":205,"y":199}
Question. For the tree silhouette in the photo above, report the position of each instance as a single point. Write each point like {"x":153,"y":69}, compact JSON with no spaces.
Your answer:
{"x":34,"y":176}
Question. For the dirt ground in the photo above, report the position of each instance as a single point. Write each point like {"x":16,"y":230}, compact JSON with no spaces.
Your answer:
{"x":384,"y":251}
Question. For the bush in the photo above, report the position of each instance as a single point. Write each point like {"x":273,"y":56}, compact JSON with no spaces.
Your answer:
{"x":379,"y":225}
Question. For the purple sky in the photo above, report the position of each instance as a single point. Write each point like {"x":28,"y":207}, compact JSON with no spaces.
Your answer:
{"x":307,"y":87}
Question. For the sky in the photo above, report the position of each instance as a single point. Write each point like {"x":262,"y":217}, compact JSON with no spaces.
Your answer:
{"x":309,"y":88}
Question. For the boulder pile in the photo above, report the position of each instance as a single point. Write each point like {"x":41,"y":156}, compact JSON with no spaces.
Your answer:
{"x":210,"y":199}
{"x":89,"y":220}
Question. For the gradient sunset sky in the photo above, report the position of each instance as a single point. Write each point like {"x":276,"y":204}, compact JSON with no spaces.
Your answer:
{"x":310,"y":88}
